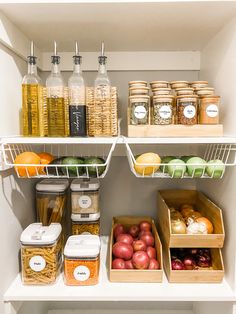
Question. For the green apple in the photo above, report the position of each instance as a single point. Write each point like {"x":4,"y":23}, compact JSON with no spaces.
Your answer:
{"x":196,"y":167}
{"x":166,"y":160}
{"x":176,"y":168}
{"x":217,"y":171}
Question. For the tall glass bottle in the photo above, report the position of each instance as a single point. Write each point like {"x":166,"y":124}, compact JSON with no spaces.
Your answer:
{"x":102,"y":98}
{"x":31,"y":97}
{"x":55,"y":99}
{"x":77,"y":106}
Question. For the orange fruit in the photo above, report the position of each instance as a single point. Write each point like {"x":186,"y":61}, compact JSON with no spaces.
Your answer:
{"x":45,"y":159}
{"x":27,"y":158}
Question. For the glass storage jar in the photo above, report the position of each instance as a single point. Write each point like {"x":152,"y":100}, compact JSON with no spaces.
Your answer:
{"x":139,"y":107}
{"x":51,"y":201}
{"x":85,"y":224}
{"x":41,"y":251}
{"x":85,"y":196}
{"x":209,"y":110}
{"x":162,"y":110}
{"x":187,"y":109}
{"x":81,"y":260}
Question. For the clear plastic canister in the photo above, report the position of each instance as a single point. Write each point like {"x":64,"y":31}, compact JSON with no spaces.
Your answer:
{"x":41,"y":252}
{"x":85,"y":196}
{"x":81,"y":260}
{"x":85,"y":224}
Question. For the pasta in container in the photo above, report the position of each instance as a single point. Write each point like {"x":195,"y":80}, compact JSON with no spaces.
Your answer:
{"x":81,"y":260}
{"x":41,"y":253}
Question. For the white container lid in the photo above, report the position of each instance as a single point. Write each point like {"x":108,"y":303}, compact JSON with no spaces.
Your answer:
{"x":82,"y":246}
{"x":81,"y":185}
{"x":85,"y":217}
{"x":37,"y":234}
{"x":52,"y":185}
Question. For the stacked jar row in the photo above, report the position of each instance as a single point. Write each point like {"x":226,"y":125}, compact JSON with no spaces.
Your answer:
{"x":177,"y":102}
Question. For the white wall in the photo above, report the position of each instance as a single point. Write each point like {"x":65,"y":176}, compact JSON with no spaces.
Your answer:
{"x":218,"y":65}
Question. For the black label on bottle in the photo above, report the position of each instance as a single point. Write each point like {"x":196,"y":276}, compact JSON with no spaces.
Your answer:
{"x":77,"y":120}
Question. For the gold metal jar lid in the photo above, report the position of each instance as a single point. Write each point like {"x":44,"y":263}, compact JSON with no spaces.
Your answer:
{"x":163,"y":98}
{"x":138,"y":83}
{"x":158,"y":82}
{"x":205,"y":91}
{"x":179,"y":84}
{"x":199,"y":83}
{"x":187,"y":97}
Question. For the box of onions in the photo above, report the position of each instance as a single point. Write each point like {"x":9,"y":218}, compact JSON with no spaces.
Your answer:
{"x":135,"y":250}
{"x":187,"y":218}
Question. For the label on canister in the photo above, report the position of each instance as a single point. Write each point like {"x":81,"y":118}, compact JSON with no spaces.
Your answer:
{"x":165,"y":112}
{"x":189,"y":111}
{"x":81,"y":273}
{"x":85,"y":201}
{"x":37,"y":263}
{"x":140,"y":112}
{"x":212,"y":111}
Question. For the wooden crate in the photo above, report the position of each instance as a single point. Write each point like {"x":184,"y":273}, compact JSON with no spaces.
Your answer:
{"x":175,"y":130}
{"x":175,"y":198}
{"x":127,"y":275}
{"x":214,"y":275}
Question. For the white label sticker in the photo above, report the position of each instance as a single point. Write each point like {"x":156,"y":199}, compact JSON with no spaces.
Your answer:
{"x":140,"y":112}
{"x":189,"y":111}
{"x":165,"y":112}
{"x":85,"y":201}
{"x":81,"y":273}
{"x":37,"y":263}
{"x":212,"y":111}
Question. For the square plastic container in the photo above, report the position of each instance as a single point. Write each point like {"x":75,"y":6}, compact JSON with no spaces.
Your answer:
{"x":85,"y":224}
{"x":41,"y":251}
{"x":81,"y":260}
{"x":85,"y":196}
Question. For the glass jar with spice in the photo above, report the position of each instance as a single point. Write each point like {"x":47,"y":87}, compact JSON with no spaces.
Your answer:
{"x":85,"y":196}
{"x":41,"y":248}
{"x":81,"y":260}
{"x":209,"y":110}
{"x":162,"y":110}
{"x":139,"y":108}
{"x":85,"y":224}
{"x":187,"y":109}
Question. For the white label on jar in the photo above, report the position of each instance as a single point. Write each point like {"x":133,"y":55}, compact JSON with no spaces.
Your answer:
{"x":81,"y":273}
{"x":85,"y":201}
{"x":165,"y":112}
{"x":37,"y":263}
{"x":140,"y":112}
{"x":212,"y":111}
{"x":189,"y":111}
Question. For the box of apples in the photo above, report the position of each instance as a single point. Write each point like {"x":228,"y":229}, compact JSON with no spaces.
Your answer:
{"x":135,"y":250}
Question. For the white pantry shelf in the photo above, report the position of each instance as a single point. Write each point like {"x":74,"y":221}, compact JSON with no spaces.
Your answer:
{"x":110,"y":291}
{"x":120,"y":140}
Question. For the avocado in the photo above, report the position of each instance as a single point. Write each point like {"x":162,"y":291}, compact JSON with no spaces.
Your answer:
{"x":92,"y":170}
{"x":72,"y":170}
{"x":52,"y":170}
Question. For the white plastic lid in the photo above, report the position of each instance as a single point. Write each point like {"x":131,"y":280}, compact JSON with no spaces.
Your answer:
{"x":37,"y":234}
{"x":52,"y":185}
{"x":85,"y":217}
{"x":80,"y":185}
{"x":82,"y":246}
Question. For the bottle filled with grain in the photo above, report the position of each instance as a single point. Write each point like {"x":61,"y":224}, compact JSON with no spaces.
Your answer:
{"x":55,"y":99}
{"x":31,"y":97}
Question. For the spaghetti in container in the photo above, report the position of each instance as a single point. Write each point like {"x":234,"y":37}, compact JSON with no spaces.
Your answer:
{"x":41,"y":251}
{"x":82,"y":260}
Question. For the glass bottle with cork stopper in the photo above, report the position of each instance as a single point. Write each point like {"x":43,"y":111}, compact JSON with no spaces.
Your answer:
{"x":31,"y":97}
{"x":55,"y":98}
{"x":102,"y":98}
{"x":77,"y":106}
